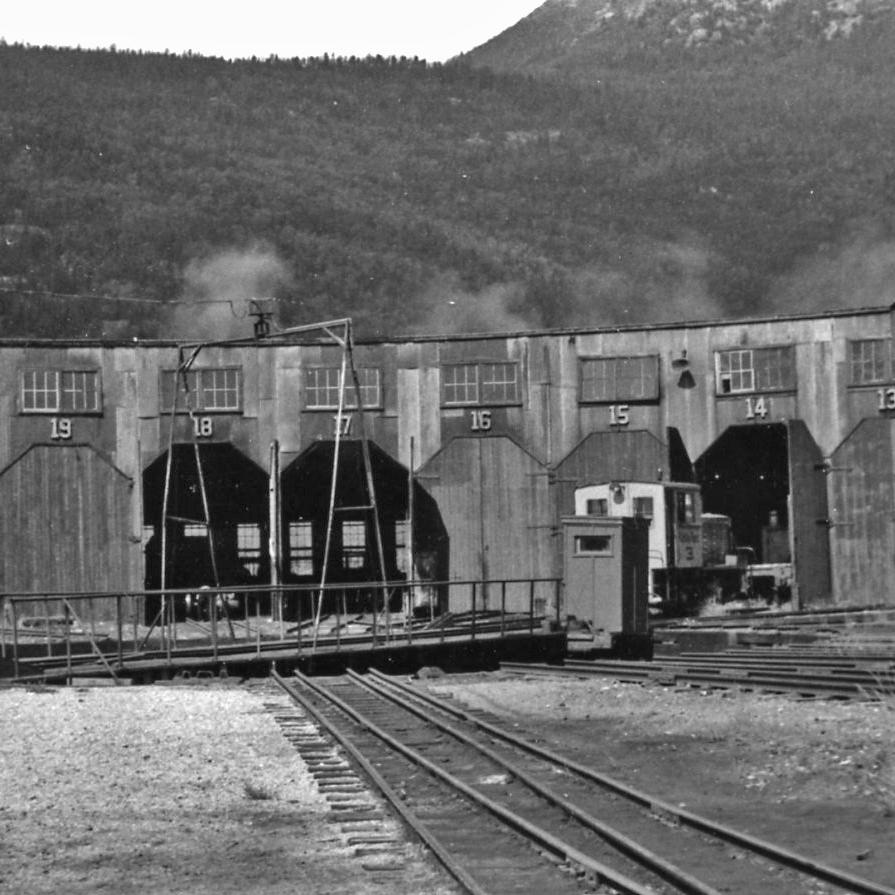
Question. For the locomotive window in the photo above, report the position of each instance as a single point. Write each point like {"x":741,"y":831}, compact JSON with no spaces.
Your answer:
{"x":60,"y":391}
{"x":610,"y":379}
{"x":643,"y":506}
{"x":205,"y":389}
{"x":745,"y":370}
{"x":597,"y":507}
{"x":593,"y":545}
{"x":322,"y":388}
{"x":870,"y":361}
{"x":686,"y":507}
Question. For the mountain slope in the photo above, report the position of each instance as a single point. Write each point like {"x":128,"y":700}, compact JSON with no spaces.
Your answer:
{"x":437,"y":198}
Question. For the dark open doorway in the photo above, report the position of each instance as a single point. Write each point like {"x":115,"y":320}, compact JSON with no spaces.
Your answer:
{"x":745,"y":475}
{"x":237,"y":525}
{"x":353,"y":553}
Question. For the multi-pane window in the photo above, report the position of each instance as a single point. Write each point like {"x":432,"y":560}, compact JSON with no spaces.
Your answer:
{"x":205,"y":389}
{"x":248,"y":546}
{"x":195,"y":530}
{"x":354,"y":544}
{"x":322,"y":388}
{"x":60,"y":391}
{"x":744,"y":370}
{"x":612,"y":379}
{"x":481,"y":383}
{"x":870,"y":361}
{"x":301,"y":547}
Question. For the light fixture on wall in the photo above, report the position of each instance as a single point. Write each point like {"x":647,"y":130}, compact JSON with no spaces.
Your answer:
{"x":685,"y":380}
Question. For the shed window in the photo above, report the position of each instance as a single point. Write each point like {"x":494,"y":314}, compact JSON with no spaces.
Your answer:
{"x":248,"y":546}
{"x":744,"y":370}
{"x":60,"y":391}
{"x":610,"y":379}
{"x":354,"y":544}
{"x":686,"y":507}
{"x":322,"y":388}
{"x":204,"y":389}
{"x":301,"y":547}
{"x":593,"y":545}
{"x":870,"y":361}
{"x":482,"y":383}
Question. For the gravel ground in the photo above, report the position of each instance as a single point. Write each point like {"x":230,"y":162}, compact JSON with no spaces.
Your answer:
{"x":817,"y":776}
{"x":195,"y":790}
{"x":169,"y":790}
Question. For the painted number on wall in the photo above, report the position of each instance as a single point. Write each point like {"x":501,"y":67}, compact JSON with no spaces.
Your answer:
{"x":757,"y":408}
{"x":342,"y":425}
{"x":885,"y":398}
{"x":619,"y":414}
{"x":203,"y":427}
{"x":479,"y":420}
{"x":60,"y":428}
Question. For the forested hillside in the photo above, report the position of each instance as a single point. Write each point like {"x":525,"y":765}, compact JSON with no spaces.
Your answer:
{"x":436,"y":198}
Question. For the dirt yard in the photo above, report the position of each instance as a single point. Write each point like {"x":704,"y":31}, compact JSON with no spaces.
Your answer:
{"x":816,"y":776}
{"x":155,"y":789}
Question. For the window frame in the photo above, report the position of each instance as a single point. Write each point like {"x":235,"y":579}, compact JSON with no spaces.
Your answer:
{"x":200,"y":389}
{"x":580,"y":550}
{"x":481,"y":389}
{"x":325,"y":389}
{"x":613,"y":393}
{"x":858,"y":381}
{"x":759,"y":367}
{"x":59,"y":390}
{"x":301,"y":549}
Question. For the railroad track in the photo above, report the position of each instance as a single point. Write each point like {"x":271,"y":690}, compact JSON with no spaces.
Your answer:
{"x":847,"y":677}
{"x":506,"y":815}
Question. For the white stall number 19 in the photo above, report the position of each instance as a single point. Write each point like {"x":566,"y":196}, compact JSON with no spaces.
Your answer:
{"x":60,"y":428}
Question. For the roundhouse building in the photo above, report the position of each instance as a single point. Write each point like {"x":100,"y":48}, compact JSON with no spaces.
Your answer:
{"x":785,"y":423}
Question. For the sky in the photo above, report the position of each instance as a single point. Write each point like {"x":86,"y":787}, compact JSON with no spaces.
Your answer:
{"x":433,"y":31}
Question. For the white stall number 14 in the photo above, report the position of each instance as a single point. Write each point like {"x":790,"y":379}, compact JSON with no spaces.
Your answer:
{"x":757,"y":408}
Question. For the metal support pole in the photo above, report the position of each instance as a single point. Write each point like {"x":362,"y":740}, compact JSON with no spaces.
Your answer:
{"x":473,"y":609}
{"x":119,"y":624}
{"x":68,"y":674}
{"x":15,"y":640}
{"x":503,"y":607}
{"x":47,"y":623}
{"x":531,"y":606}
